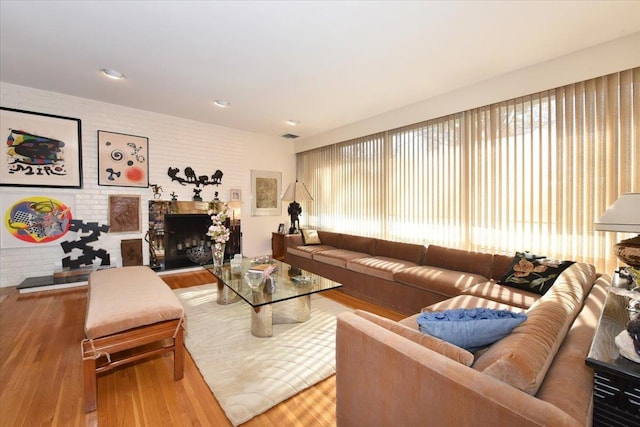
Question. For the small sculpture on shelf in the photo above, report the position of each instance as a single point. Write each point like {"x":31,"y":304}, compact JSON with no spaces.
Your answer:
{"x":190,"y":177}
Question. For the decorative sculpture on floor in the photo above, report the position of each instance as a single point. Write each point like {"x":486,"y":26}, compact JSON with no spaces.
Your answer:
{"x":88,"y":252}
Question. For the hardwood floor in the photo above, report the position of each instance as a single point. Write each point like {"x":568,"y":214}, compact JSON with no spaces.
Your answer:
{"x":41,"y":372}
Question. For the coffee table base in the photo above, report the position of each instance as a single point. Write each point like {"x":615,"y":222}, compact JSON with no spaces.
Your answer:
{"x":226,"y":295}
{"x":263,"y":318}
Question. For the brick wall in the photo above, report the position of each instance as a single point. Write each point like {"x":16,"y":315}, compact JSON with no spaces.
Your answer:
{"x":174,"y":142}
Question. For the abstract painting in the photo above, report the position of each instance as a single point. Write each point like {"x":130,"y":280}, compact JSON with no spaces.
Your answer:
{"x":123,"y":160}
{"x":35,"y":220}
{"x":265,"y":193}
{"x":124,"y":214}
{"x":42,"y":150}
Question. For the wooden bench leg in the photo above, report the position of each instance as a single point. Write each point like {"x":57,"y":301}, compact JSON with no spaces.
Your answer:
{"x":178,"y":354}
{"x":90,"y":387}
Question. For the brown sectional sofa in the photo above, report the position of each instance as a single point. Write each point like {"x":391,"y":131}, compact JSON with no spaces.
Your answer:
{"x":401,"y":276}
{"x":389,"y":373}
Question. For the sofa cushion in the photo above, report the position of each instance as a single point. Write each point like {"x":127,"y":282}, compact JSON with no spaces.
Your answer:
{"x":446,"y":349}
{"x":378,"y":266}
{"x":337,"y":257}
{"x":506,"y":294}
{"x":470,"y":328}
{"x":330,"y":238}
{"x":533,"y":274}
{"x":459,"y":260}
{"x":308,"y":251}
{"x":438,"y":280}
{"x":523,"y":358}
{"x":404,"y":251}
{"x":358,"y":244}
{"x":310,"y":237}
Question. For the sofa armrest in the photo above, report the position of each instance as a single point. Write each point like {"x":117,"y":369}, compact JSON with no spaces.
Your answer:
{"x":385,"y":379}
{"x":293,"y":240}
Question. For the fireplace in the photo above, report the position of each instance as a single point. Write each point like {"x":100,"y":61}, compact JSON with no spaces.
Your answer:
{"x":176,"y":227}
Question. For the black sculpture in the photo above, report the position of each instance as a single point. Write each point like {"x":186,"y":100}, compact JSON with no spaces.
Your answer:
{"x":294,"y":211}
{"x":88,"y":253}
{"x":192,"y":178}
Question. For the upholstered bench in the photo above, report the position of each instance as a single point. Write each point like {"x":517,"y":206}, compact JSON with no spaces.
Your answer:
{"x":131,"y":314}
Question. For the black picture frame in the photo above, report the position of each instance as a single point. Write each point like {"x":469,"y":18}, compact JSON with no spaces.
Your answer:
{"x":44,"y":150}
{"x":281,"y":228}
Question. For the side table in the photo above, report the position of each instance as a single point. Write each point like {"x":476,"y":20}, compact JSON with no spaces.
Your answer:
{"x":616,"y":391}
{"x":278,"y":249}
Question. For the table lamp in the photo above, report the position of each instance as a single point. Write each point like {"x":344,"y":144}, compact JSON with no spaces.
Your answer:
{"x":623,"y":216}
{"x":296,"y":191}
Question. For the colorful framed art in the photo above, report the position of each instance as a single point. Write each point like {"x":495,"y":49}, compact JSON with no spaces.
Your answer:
{"x":123,"y":160}
{"x":44,"y":150}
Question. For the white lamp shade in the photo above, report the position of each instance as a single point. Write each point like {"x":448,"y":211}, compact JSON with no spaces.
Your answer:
{"x":622,"y":216}
{"x":296,"y":191}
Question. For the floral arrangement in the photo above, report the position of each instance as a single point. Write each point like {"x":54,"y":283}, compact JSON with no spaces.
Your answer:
{"x":218,"y":232}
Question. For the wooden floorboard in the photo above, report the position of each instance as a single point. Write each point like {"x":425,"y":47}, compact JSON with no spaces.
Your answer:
{"x":41,"y":372}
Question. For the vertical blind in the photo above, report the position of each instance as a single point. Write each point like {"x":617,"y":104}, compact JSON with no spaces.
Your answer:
{"x":531,"y":173}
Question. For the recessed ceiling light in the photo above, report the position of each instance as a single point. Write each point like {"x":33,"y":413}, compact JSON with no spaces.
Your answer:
{"x":222,"y":103}
{"x":293,"y":122}
{"x":113,"y":74}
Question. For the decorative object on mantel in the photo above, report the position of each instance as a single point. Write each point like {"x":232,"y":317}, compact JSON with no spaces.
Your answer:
{"x":296,"y":191}
{"x":218,"y":232}
{"x":174,"y":196}
{"x":157,"y":190}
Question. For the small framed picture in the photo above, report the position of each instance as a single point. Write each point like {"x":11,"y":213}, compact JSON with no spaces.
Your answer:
{"x":281,"y":228}
{"x":124,"y":214}
{"x":235,"y":195}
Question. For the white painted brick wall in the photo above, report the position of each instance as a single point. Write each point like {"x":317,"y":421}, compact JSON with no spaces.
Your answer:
{"x":174,"y":142}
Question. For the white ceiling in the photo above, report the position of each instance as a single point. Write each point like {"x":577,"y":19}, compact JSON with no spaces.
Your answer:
{"x":326,"y":64}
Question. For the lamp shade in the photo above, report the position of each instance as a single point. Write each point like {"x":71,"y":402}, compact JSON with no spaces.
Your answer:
{"x":622,"y":216}
{"x":296,"y":191}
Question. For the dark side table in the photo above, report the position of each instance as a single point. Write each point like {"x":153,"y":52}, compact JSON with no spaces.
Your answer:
{"x":616,"y":392}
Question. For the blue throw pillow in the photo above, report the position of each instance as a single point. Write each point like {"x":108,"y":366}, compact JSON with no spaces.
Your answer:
{"x":470,"y":328}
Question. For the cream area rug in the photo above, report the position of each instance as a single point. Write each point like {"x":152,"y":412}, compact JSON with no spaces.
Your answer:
{"x":249,"y":375}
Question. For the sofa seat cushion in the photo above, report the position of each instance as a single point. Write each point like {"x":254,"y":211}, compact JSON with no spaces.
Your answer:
{"x":523,"y":358}
{"x":439,"y":346}
{"x":506,"y":294}
{"x":308,"y":251}
{"x":338,"y":257}
{"x":438,"y":280}
{"x":378,"y":266}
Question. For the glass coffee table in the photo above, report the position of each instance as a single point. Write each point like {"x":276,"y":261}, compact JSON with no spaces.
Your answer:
{"x":284,"y":299}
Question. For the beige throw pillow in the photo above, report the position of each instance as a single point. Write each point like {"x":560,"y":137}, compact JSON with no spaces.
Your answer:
{"x":310,"y":237}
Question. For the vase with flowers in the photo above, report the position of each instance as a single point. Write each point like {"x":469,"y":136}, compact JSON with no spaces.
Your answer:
{"x":219,"y":234}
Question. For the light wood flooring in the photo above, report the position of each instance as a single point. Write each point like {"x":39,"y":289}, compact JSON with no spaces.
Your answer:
{"x":41,"y":372}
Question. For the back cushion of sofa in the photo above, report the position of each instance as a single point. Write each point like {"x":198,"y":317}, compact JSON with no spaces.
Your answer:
{"x":405,"y":251}
{"x":523,"y":358}
{"x":501,"y":264}
{"x":459,"y":260}
{"x":330,"y":238}
{"x":358,"y":243}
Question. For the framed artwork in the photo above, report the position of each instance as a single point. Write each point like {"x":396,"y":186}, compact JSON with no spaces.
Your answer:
{"x":131,"y":252}
{"x":265,"y":193}
{"x":124,"y":214}
{"x":123,"y":160}
{"x":42,"y":150}
{"x":235,"y":195}
{"x":35,"y":219}
{"x":281,"y":228}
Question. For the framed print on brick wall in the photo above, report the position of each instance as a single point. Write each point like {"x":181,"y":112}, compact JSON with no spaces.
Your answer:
{"x":123,"y":160}
{"x":266,"y":187}
{"x":43,"y":150}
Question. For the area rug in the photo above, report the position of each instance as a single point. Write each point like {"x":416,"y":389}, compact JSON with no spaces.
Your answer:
{"x":249,"y":375}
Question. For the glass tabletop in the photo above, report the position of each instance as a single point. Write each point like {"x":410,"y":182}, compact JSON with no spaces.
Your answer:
{"x":288,"y":282}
